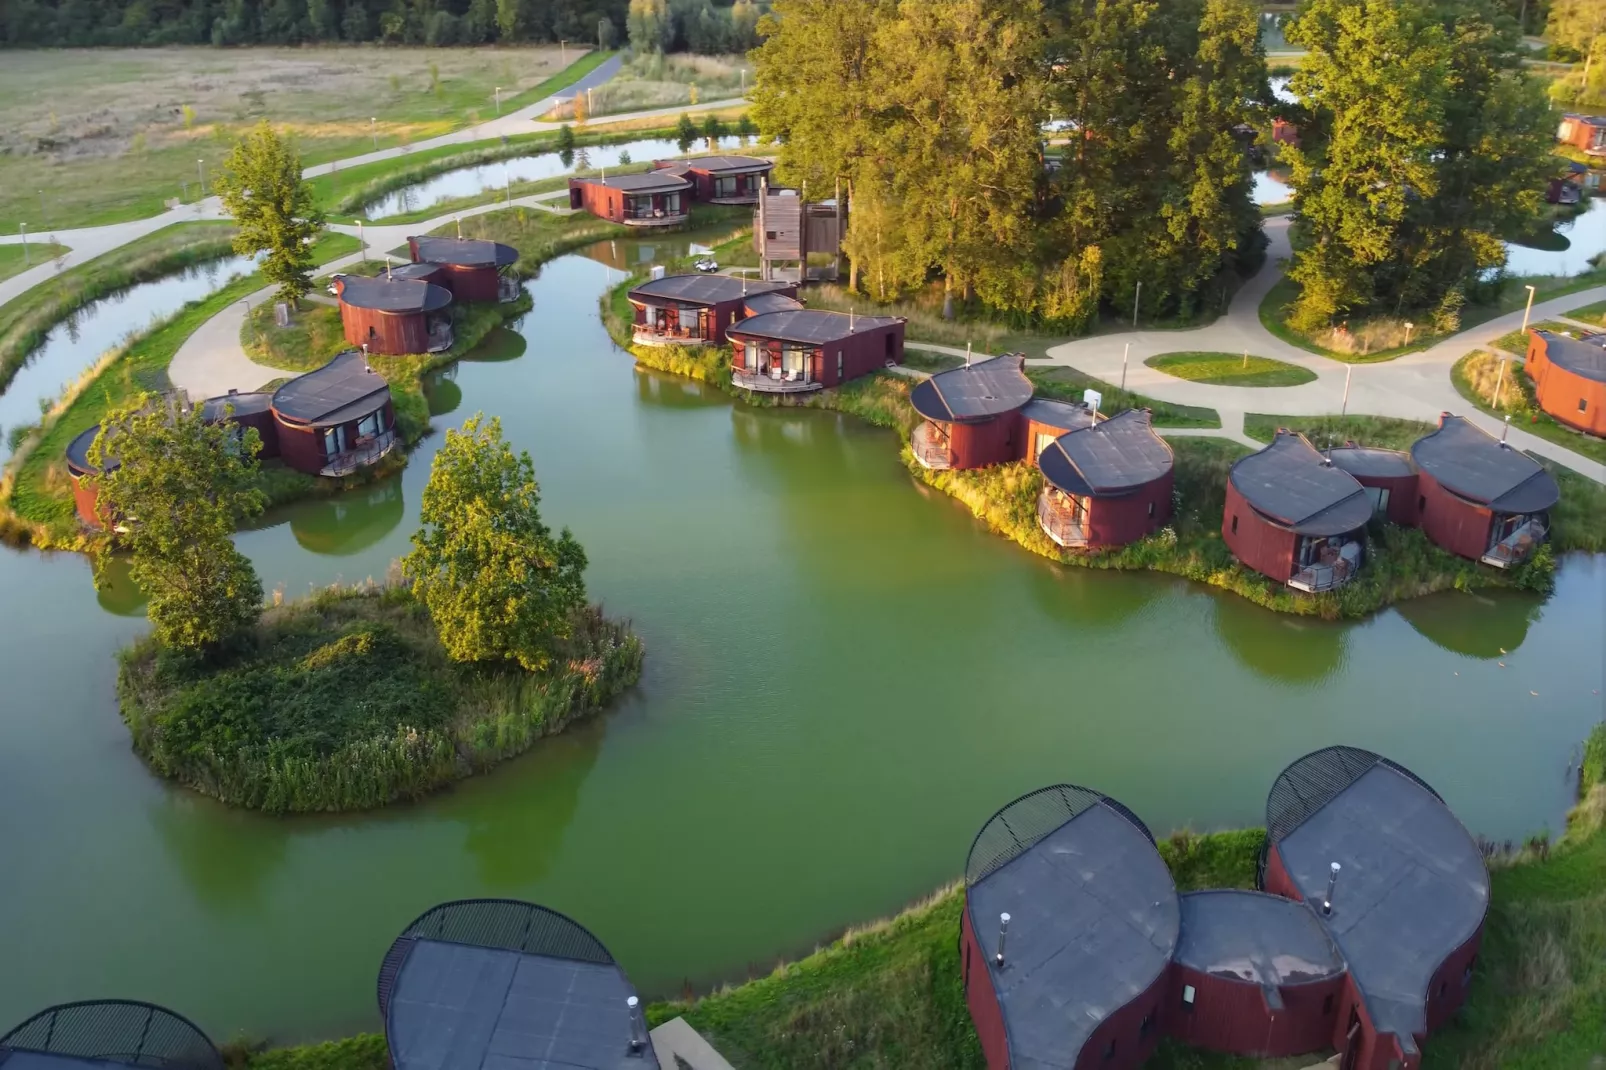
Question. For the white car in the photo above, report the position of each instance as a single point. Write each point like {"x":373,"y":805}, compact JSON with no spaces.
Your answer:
{"x":707,"y":264}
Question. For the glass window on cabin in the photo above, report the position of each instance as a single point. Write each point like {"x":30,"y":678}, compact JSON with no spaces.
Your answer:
{"x":1583,"y":404}
{"x":368,"y":425}
{"x":794,"y":360}
{"x":1044,"y":441}
{"x":754,"y":356}
{"x":672,"y":203}
{"x":725,"y":186}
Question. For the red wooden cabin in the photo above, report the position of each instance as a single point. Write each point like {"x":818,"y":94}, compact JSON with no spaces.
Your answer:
{"x":1284,"y":132}
{"x":1397,"y":882}
{"x":1480,"y":498}
{"x":720,"y":179}
{"x":85,"y":494}
{"x":1569,"y":377}
{"x":1077,"y":977}
{"x":972,"y":414}
{"x":695,"y":310}
{"x":804,"y":349}
{"x":473,"y":270}
{"x":1107,"y":484}
{"x":393,"y":315}
{"x":1046,"y":419}
{"x":1586,"y":132}
{"x":254,"y":409}
{"x":1388,"y":476}
{"x":335,"y":420}
{"x":654,"y":199}
{"x":1295,"y":517}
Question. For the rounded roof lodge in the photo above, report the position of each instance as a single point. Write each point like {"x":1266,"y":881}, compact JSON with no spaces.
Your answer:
{"x":1290,"y":484}
{"x":810,"y":326}
{"x":1587,"y":360}
{"x":393,"y":295}
{"x":1110,"y":459}
{"x":974,"y":392}
{"x":463,"y":252}
{"x":345,"y":389}
{"x":703,"y":289}
{"x":1472,"y":464}
{"x":78,"y":454}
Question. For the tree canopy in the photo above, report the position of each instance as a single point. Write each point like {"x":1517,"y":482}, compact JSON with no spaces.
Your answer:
{"x":498,"y":584}
{"x":273,"y":208}
{"x":177,"y":488}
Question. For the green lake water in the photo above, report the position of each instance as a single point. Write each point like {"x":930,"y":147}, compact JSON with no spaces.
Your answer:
{"x":846,"y":675}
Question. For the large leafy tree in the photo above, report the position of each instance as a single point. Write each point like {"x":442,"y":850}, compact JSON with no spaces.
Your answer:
{"x":177,"y":487}
{"x":498,"y":584}
{"x":273,"y":208}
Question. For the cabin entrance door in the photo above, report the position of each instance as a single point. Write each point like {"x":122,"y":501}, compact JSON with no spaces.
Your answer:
{"x":1352,"y":1042}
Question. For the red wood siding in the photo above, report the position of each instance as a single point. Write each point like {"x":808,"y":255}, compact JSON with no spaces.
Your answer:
{"x":1118,"y":521}
{"x":1452,"y":522}
{"x":301,"y":447}
{"x":86,"y":501}
{"x":1231,"y":1015}
{"x":470,"y":283}
{"x":608,"y":203}
{"x":385,"y":332}
{"x":1403,"y":493}
{"x":1258,"y":543}
{"x":992,"y":441}
{"x":1560,"y":391}
{"x":980,"y":996}
{"x":1451,"y":982}
{"x":1125,"y":1028}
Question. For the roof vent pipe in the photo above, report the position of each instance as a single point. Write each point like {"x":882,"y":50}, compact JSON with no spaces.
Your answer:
{"x":1003,"y":931}
{"x":1327,"y":900}
{"x":636,"y":1043}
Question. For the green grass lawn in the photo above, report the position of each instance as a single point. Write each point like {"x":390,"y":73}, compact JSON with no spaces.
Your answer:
{"x":1068,"y":383}
{"x":1517,"y":341}
{"x":1476,"y":376}
{"x":15,"y":259}
{"x":1231,"y":369}
{"x":1595,"y":313}
{"x":315,"y":334}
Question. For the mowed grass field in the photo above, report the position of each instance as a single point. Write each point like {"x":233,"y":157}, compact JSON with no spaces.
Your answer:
{"x":104,"y":135}
{"x":1231,"y":369}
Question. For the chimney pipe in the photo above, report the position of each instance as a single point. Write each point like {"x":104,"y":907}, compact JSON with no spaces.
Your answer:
{"x":1327,"y":900}
{"x":1003,"y":931}
{"x":636,"y":1043}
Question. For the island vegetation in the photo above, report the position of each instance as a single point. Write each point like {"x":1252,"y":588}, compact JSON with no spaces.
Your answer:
{"x":354,"y":697}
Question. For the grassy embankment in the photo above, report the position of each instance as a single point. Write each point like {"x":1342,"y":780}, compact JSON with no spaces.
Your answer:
{"x":1476,"y":376}
{"x":890,"y":994}
{"x":1517,"y":341}
{"x":1231,"y":369}
{"x":1595,"y":313}
{"x":346,"y":701}
{"x":28,"y":317}
{"x":1383,"y":338}
{"x":15,"y":259}
{"x":1578,"y":522}
{"x":651,"y":80}
{"x":102,"y":152}
{"x":35,"y":495}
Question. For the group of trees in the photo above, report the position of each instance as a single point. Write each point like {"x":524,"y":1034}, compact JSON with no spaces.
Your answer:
{"x":77,"y":23}
{"x":692,"y":26}
{"x":933,"y":117}
{"x":1424,"y":143}
{"x":499,"y":585}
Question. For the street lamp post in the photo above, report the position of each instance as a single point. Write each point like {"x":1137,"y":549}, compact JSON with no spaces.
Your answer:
{"x":200,"y":174}
{"x":1529,"y":310}
{"x":1124,"y":357}
{"x":26,"y":260}
{"x":373,"y":130}
{"x":249,"y":325}
{"x":363,"y":240}
{"x":499,"y":100}
{"x":1135,"y":301}
{"x":507,"y":183}
{"x":563,"y":52}
{"x":1500,"y":379}
{"x":1343,"y":409}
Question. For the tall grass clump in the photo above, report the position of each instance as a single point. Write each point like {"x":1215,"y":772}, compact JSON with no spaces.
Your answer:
{"x":346,"y":701}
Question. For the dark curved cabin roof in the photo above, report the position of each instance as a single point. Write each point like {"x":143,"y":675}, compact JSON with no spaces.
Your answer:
{"x":1292,"y":485}
{"x":396,"y":295}
{"x":1585,"y":358}
{"x":250,"y":404}
{"x":645,"y":182}
{"x":532,"y":991}
{"x":1065,"y":415}
{"x":1256,"y":938}
{"x":1471,"y":463}
{"x":696,"y":289}
{"x":464,"y":252}
{"x":1412,"y":887}
{"x":1370,"y":461}
{"x":809,"y":325}
{"x":78,"y":454}
{"x":97,"y":1034}
{"x":343,"y":390}
{"x":426,"y":272}
{"x":758,"y":304}
{"x":717,"y":165}
{"x":1094,"y":921}
{"x":974,"y":392}
{"x":1108,"y":460}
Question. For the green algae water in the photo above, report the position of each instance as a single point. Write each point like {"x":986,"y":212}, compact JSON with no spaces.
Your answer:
{"x":846,"y":675}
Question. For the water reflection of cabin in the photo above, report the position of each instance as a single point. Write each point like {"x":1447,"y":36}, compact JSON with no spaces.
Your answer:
{"x":972,"y":414}
{"x":472,"y":269}
{"x":1480,"y":498}
{"x":105,"y":1033}
{"x":1569,"y":377}
{"x":1293,"y":516}
{"x":693,"y":310}
{"x":395,"y":314}
{"x":1106,"y":484}
{"x":796,"y":350}
{"x":720,"y":179}
{"x":653,"y":199}
{"x":493,"y":984}
{"x":337,"y":419}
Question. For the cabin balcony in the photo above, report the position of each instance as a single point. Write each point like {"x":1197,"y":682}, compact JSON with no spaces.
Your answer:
{"x":773,"y":380}
{"x":1060,"y":521}
{"x":360,"y":456}
{"x":1514,"y":549}
{"x":508,"y":288}
{"x":651,"y":217}
{"x":440,"y":337}
{"x":647,"y":334}
{"x":930,"y":447}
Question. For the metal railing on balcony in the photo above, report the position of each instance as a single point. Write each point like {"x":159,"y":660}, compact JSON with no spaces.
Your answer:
{"x":1059,"y":521}
{"x":1514,"y":549}
{"x":662,"y":216}
{"x":774,"y":381}
{"x":930,"y":447}
{"x":649,"y":334}
{"x":508,"y":288}
{"x":440,"y":337}
{"x":359,"y":456}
